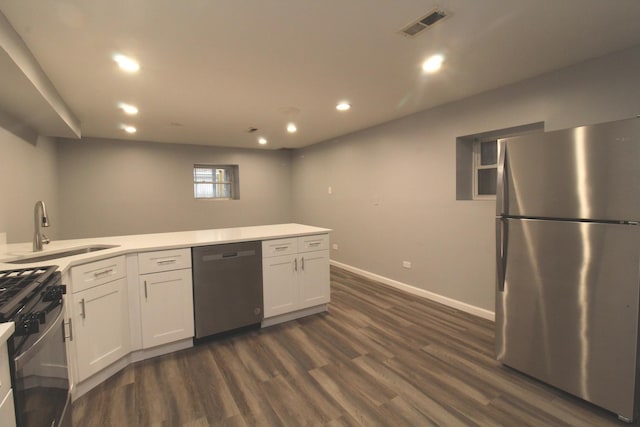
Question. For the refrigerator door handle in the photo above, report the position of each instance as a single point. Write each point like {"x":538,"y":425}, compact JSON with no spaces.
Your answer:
{"x":502,"y":191}
{"x":502,"y":234}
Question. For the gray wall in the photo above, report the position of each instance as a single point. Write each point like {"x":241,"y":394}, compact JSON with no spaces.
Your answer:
{"x":27,"y":174}
{"x":394,"y":189}
{"x":112,"y":187}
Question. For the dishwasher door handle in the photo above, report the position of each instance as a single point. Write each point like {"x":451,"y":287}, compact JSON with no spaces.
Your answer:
{"x":227,"y":255}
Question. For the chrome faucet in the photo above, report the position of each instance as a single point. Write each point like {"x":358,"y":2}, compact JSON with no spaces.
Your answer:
{"x":40,"y":219}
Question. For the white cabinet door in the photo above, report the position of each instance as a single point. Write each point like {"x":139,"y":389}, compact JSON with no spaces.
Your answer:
{"x":280,"y":284}
{"x":100,"y":326}
{"x":7,"y":413}
{"x":5,"y":376}
{"x":166,"y":307}
{"x":7,"y":410}
{"x":314,"y":278}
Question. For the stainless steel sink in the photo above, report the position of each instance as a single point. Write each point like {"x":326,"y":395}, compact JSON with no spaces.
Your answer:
{"x":56,"y":255}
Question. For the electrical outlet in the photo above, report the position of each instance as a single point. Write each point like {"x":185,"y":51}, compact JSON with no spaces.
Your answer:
{"x":335,"y":246}
{"x":406,"y":264}
{"x":329,"y":190}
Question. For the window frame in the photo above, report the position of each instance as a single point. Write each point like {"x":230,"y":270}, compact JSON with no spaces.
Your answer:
{"x":233,"y":182}
{"x":477,"y":165}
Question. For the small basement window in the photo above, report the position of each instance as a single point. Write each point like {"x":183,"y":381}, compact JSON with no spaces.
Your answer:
{"x":485,"y":168}
{"x":477,"y":161}
{"x":215,"y":182}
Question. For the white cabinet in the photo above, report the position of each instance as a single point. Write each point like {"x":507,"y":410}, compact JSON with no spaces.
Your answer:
{"x":281,"y":292}
{"x":7,"y":412}
{"x":166,"y":296}
{"x":295,"y":274}
{"x":166,"y":260}
{"x":314,"y":278}
{"x":99,"y":314}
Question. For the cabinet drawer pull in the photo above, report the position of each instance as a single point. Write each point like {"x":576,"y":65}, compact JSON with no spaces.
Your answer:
{"x":166,"y":261}
{"x":102,"y":273}
{"x":281,"y":248}
{"x":83,"y":313}
{"x":145,"y":289}
{"x":314,"y":243}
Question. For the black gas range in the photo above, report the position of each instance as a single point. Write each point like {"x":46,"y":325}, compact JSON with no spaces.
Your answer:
{"x":32,"y":298}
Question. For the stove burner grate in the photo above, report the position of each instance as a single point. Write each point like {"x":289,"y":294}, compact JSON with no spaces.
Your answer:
{"x":16,"y":286}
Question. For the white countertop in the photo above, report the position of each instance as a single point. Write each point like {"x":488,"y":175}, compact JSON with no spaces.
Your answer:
{"x":6,"y":329}
{"x":148,"y":242}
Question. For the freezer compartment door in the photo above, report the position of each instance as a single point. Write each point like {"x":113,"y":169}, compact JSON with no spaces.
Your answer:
{"x":567,"y":312}
{"x":590,"y":172}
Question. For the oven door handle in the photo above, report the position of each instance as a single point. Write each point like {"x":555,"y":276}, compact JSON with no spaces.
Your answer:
{"x":23,"y":358}
{"x":64,"y":330}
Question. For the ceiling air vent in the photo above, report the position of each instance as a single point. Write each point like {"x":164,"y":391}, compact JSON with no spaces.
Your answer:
{"x":424,"y":23}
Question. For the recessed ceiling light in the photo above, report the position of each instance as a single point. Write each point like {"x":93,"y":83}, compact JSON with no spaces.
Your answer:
{"x":129,"y":129}
{"x":262,"y":141}
{"x":343,"y":106}
{"x":128,"y":109}
{"x":433,"y":63}
{"x":126,"y":64}
{"x":292,"y":128}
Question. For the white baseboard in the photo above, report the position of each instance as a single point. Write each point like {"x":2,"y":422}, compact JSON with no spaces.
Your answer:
{"x":449,"y":302}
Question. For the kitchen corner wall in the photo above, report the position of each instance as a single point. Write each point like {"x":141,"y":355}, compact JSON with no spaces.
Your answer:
{"x":116,"y":187}
{"x":27,"y":173}
{"x":394,"y":190}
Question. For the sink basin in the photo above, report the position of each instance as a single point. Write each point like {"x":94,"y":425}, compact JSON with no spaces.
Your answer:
{"x":56,"y":255}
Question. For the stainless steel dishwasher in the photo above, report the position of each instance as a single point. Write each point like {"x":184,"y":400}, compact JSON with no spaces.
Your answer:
{"x":227,"y":287}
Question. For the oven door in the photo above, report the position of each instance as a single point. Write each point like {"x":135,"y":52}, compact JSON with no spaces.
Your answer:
{"x":40,"y":375}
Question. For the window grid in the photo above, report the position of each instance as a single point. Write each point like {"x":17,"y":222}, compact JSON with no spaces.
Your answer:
{"x":485,"y":169}
{"x":213,"y":182}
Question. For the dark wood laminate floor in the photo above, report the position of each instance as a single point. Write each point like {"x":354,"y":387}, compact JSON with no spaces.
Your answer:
{"x":378,"y":357}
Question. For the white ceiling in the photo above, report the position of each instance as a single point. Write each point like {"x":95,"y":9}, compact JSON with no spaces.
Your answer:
{"x":210,"y":69}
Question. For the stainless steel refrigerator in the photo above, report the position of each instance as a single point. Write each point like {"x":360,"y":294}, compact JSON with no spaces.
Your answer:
{"x":568,"y":261}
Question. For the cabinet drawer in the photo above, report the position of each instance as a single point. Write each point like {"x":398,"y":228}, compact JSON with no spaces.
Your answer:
{"x":279,"y":247}
{"x":318,"y":242}
{"x":96,"y":273}
{"x":157,"y":261}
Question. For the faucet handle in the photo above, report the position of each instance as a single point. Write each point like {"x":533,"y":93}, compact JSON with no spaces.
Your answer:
{"x":45,"y":239}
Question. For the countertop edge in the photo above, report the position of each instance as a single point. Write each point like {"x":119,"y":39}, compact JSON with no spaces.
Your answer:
{"x":138,"y":243}
{"x":6,"y":329}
